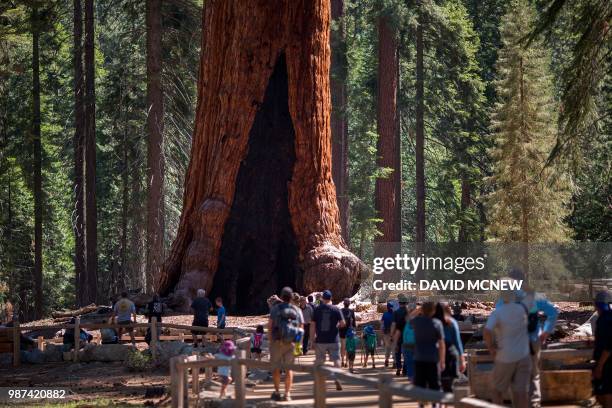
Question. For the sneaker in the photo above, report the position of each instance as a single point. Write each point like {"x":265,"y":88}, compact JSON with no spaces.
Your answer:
{"x":351,"y":370}
{"x":386,"y":363}
{"x":338,"y":385}
{"x":286,"y":397}
{"x":275,"y":396}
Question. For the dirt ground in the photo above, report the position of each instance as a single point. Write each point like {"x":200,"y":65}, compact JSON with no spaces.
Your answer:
{"x":112,"y":384}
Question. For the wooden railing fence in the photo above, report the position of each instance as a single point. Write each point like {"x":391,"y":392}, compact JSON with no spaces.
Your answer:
{"x":385,"y":388}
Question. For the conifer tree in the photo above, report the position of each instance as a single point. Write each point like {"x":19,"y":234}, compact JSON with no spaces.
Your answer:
{"x":528,"y":202}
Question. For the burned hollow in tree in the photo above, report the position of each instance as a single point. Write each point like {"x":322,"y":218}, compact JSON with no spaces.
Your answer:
{"x":259,"y":252}
{"x":259,"y":209}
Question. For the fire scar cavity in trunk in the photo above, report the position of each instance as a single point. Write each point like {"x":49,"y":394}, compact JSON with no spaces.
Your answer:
{"x":260,"y":209}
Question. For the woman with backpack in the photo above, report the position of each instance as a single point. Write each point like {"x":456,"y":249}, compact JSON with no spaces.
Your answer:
{"x":408,"y":343}
{"x":455,"y":361}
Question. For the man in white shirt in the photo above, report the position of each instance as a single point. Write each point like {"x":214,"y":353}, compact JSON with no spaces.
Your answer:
{"x":506,"y":337}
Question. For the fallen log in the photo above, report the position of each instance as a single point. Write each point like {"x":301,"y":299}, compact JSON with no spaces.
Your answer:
{"x":73,"y":313}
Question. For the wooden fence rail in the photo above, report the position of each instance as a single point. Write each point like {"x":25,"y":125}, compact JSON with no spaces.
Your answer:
{"x":16,"y":330}
{"x":180,"y":366}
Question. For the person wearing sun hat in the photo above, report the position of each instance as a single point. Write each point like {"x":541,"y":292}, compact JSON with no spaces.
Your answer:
{"x":226,"y":352}
{"x":602,"y":350}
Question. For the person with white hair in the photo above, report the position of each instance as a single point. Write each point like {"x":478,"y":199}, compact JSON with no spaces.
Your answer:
{"x":201,"y":308}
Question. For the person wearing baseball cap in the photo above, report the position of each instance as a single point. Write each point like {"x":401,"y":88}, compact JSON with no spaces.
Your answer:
{"x":602,"y":351}
{"x":326,"y":321}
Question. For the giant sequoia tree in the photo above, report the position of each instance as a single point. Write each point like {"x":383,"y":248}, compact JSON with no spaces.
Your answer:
{"x":259,"y":209}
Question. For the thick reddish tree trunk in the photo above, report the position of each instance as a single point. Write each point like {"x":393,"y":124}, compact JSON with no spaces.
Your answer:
{"x":79,"y":134}
{"x":260,"y":208}
{"x":339,"y":122}
{"x":387,"y":195}
{"x":155,"y":156}
{"x":91,"y":208}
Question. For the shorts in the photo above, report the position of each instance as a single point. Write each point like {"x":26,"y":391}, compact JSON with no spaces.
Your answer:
{"x":224,"y":379}
{"x":282,"y":352}
{"x":203,"y":323}
{"x":516,"y":375}
{"x":350,"y":355}
{"x":321,"y":350}
{"x":256,"y":350}
{"x":126,"y":322}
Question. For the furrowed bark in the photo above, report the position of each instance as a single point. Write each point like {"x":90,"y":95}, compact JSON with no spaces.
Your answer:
{"x":242,"y":45}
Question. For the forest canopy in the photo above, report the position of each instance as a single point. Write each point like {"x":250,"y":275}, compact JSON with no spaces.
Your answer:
{"x":452,"y":121}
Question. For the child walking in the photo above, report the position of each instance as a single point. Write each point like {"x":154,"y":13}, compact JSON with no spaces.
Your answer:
{"x":257,"y":339}
{"x":351,"y":348}
{"x":369,"y":340}
{"x":226,"y":352}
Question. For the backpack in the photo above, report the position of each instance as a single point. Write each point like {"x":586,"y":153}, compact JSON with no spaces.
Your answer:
{"x":257,"y":340}
{"x":408,"y":334}
{"x":286,"y":325}
{"x":351,"y":345}
{"x":370,"y":341}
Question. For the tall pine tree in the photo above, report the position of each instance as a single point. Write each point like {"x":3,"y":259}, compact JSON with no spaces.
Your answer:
{"x":528,"y":202}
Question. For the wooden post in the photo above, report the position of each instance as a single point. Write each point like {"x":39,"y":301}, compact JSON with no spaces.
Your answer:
{"x":208,"y":374}
{"x":153,"y":345}
{"x":319,"y":387}
{"x":16,"y":343}
{"x":195,"y":378}
{"x":460,"y":392}
{"x":177,"y":382}
{"x":41,"y":343}
{"x":77,"y":338}
{"x":238,"y":372}
{"x":385,"y":397}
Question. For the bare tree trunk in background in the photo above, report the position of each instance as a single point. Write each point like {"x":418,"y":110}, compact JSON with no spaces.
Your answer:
{"x":339,"y":122}
{"x":260,"y":209}
{"x":387,"y":196}
{"x":420,"y":135}
{"x":466,"y":200}
{"x":125,"y":206}
{"x":78,"y":142}
{"x":91,"y":217}
{"x":37,"y":166}
{"x":155,"y":154}
{"x":136,"y":256}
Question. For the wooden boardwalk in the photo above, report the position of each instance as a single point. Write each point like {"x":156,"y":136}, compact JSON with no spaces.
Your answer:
{"x":303,"y":389}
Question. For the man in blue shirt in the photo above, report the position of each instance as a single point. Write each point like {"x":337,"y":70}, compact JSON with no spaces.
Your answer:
{"x":535,"y":304}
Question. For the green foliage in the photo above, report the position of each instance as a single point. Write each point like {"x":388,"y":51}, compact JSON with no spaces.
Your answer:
{"x":529,"y":201}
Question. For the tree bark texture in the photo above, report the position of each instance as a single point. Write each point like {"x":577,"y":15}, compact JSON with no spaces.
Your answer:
{"x":260,"y":207}
{"x":37,"y":166}
{"x":339,"y":122}
{"x":91,"y":217}
{"x":420,"y":135}
{"x":155,"y":154}
{"x":387,"y":196}
{"x":78,"y":144}
{"x":466,"y":202}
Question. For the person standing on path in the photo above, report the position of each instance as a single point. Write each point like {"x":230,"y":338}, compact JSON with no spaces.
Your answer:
{"x":602,"y":352}
{"x":326,"y":321}
{"x":507,"y":339}
{"x":386,"y":321}
{"x":397,"y":330}
{"x":155,"y":308}
{"x":535,"y":304}
{"x":201,"y":309}
{"x":429,"y":348}
{"x":307,"y":312}
{"x":351,"y":323}
{"x":123,"y":312}
{"x":286,"y":323}
{"x":455,"y":361}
